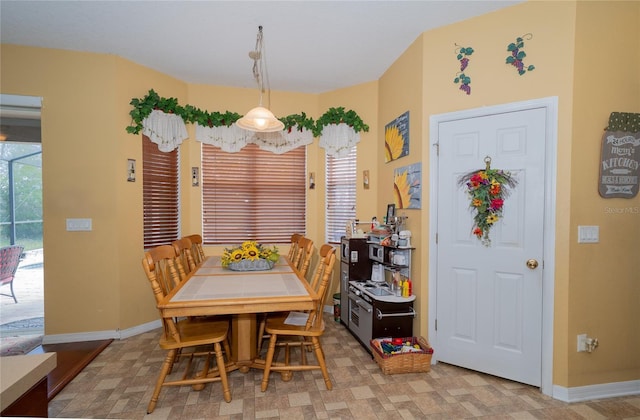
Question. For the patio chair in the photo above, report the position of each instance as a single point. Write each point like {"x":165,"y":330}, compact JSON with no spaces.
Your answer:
{"x":9,"y":260}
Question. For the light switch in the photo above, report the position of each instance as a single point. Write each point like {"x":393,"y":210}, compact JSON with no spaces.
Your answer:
{"x":75,"y":225}
{"x":588,"y":234}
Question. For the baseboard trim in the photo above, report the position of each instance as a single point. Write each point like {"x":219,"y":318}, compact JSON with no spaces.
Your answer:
{"x":592,"y":392}
{"x":101,"y":335}
{"x":115,"y":334}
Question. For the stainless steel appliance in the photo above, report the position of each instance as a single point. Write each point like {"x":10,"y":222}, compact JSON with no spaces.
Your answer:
{"x":354,"y":265}
{"x":374,"y":312}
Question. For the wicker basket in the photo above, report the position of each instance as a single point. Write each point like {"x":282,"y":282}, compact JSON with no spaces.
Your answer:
{"x":255,"y":265}
{"x":412,"y":362}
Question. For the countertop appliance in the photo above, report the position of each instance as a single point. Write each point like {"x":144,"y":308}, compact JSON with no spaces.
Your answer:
{"x":354,"y":265}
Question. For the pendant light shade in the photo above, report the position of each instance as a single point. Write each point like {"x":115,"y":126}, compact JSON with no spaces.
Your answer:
{"x":260,"y":119}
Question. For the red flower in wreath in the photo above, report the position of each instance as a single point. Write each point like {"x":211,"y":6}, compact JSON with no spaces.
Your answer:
{"x":497,"y":203}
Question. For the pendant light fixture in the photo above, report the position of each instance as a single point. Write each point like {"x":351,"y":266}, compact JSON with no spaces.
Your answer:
{"x":260,"y":119}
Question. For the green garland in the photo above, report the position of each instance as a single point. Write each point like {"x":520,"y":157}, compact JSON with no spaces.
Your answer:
{"x":142,"y":107}
{"x":338,"y":116}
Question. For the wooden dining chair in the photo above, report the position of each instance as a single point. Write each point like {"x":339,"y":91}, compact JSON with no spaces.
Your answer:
{"x":286,"y":335}
{"x":293,"y":248}
{"x":196,"y":248}
{"x":183,"y":251}
{"x":302,"y":260}
{"x":202,"y":337}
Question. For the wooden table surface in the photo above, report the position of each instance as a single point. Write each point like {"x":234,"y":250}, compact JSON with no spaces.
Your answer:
{"x":214,"y":290}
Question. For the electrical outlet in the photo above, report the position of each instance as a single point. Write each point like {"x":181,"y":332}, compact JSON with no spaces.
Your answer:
{"x":582,"y":342}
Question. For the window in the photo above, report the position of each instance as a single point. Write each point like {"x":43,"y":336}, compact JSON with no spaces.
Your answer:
{"x":161,"y":206}
{"x":341,"y":194}
{"x":252,"y":195}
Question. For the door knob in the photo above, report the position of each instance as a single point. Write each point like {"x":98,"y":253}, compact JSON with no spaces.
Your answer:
{"x":532,"y":264}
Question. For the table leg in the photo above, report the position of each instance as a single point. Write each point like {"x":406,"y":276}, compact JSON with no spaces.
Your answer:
{"x":243,"y":340}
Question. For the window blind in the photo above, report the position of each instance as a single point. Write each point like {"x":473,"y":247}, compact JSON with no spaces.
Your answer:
{"x":161,"y":206}
{"x":341,"y":194}
{"x":252,"y":195}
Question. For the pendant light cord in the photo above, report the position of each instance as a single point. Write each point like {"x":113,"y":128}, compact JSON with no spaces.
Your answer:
{"x":260,"y":67}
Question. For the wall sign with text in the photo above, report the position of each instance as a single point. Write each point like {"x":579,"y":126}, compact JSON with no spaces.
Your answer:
{"x":619,"y":164}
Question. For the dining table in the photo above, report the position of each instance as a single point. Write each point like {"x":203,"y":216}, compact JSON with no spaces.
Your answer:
{"x":211,"y":289}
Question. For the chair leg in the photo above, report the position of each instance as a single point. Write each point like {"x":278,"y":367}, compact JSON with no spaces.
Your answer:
{"x":223,"y":372}
{"x":321,"y":362}
{"x":166,"y":366}
{"x":268,"y":361}
{"x":261,"y":327}
{"x":13,"y":295}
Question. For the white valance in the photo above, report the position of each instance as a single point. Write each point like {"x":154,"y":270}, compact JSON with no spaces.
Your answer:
{"x":338,"y":139}
{"x":166,"y":130}
{"x":283,"y":141}
{"x":230,"y":139}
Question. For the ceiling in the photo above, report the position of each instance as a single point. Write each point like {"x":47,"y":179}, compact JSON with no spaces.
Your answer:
{"x":310,"y":46}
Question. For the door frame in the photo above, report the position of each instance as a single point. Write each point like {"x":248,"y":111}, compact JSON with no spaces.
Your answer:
{"x":550,"y":104}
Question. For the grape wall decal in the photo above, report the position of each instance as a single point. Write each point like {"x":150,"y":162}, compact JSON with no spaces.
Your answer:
{"x":461,"y":78}
{"x":517,"y":54}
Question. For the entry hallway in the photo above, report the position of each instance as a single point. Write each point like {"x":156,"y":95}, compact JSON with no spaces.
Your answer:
{"x":119,"y":382}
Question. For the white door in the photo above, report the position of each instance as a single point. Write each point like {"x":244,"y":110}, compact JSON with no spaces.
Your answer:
{"x":489,"y":302}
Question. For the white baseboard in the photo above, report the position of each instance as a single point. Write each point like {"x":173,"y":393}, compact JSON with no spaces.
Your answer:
{"x":115,"y":334}
{"x":101,"y":335}
{"x":592,"y":392}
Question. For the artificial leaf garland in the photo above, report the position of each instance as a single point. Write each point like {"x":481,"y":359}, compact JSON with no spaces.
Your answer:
{"x":487,"y":189}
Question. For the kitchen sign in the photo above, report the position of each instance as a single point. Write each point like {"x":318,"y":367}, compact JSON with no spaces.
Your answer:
{"x":620,"y":157}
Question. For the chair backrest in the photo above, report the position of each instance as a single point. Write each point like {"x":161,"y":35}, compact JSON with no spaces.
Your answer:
{"x":303,"y":258}
{"x":196,"y":248}
{"x":162,"y":267}
{"x":183,"y":251}
{"x":293,"y":249}
{"x":164,"y":270}
{"x":323,"y":273}
{"x":9,"y":260}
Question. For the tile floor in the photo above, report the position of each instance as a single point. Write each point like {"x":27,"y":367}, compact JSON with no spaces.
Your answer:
{"x":119,"y":382}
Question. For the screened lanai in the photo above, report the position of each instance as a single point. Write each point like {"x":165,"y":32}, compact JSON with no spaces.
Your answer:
{"x":20,"y":171}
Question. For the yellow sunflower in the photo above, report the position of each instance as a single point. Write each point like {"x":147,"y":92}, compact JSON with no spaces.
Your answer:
{"x":393,"y":143}
{"x":402,"y":196}
{"x":236,"y":255}
{"x":251,"y":253}
{"x":248,"y":244}
{"x":492,"y":218}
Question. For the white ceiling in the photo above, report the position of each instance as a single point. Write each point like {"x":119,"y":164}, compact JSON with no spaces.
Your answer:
{"x":310,"y":46}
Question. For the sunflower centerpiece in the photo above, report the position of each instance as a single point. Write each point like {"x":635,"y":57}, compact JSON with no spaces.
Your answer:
{"x":250,"y":256}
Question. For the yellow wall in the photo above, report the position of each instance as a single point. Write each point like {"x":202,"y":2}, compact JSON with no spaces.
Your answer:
{"x":604,"y":278}
{"x":401,"y":87}
{"x":94,"y":281}
{"x":551,"y":51}
{"x":578,"y":60}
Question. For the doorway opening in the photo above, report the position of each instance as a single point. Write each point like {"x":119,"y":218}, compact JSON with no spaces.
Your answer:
{"x":21,"y":223}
